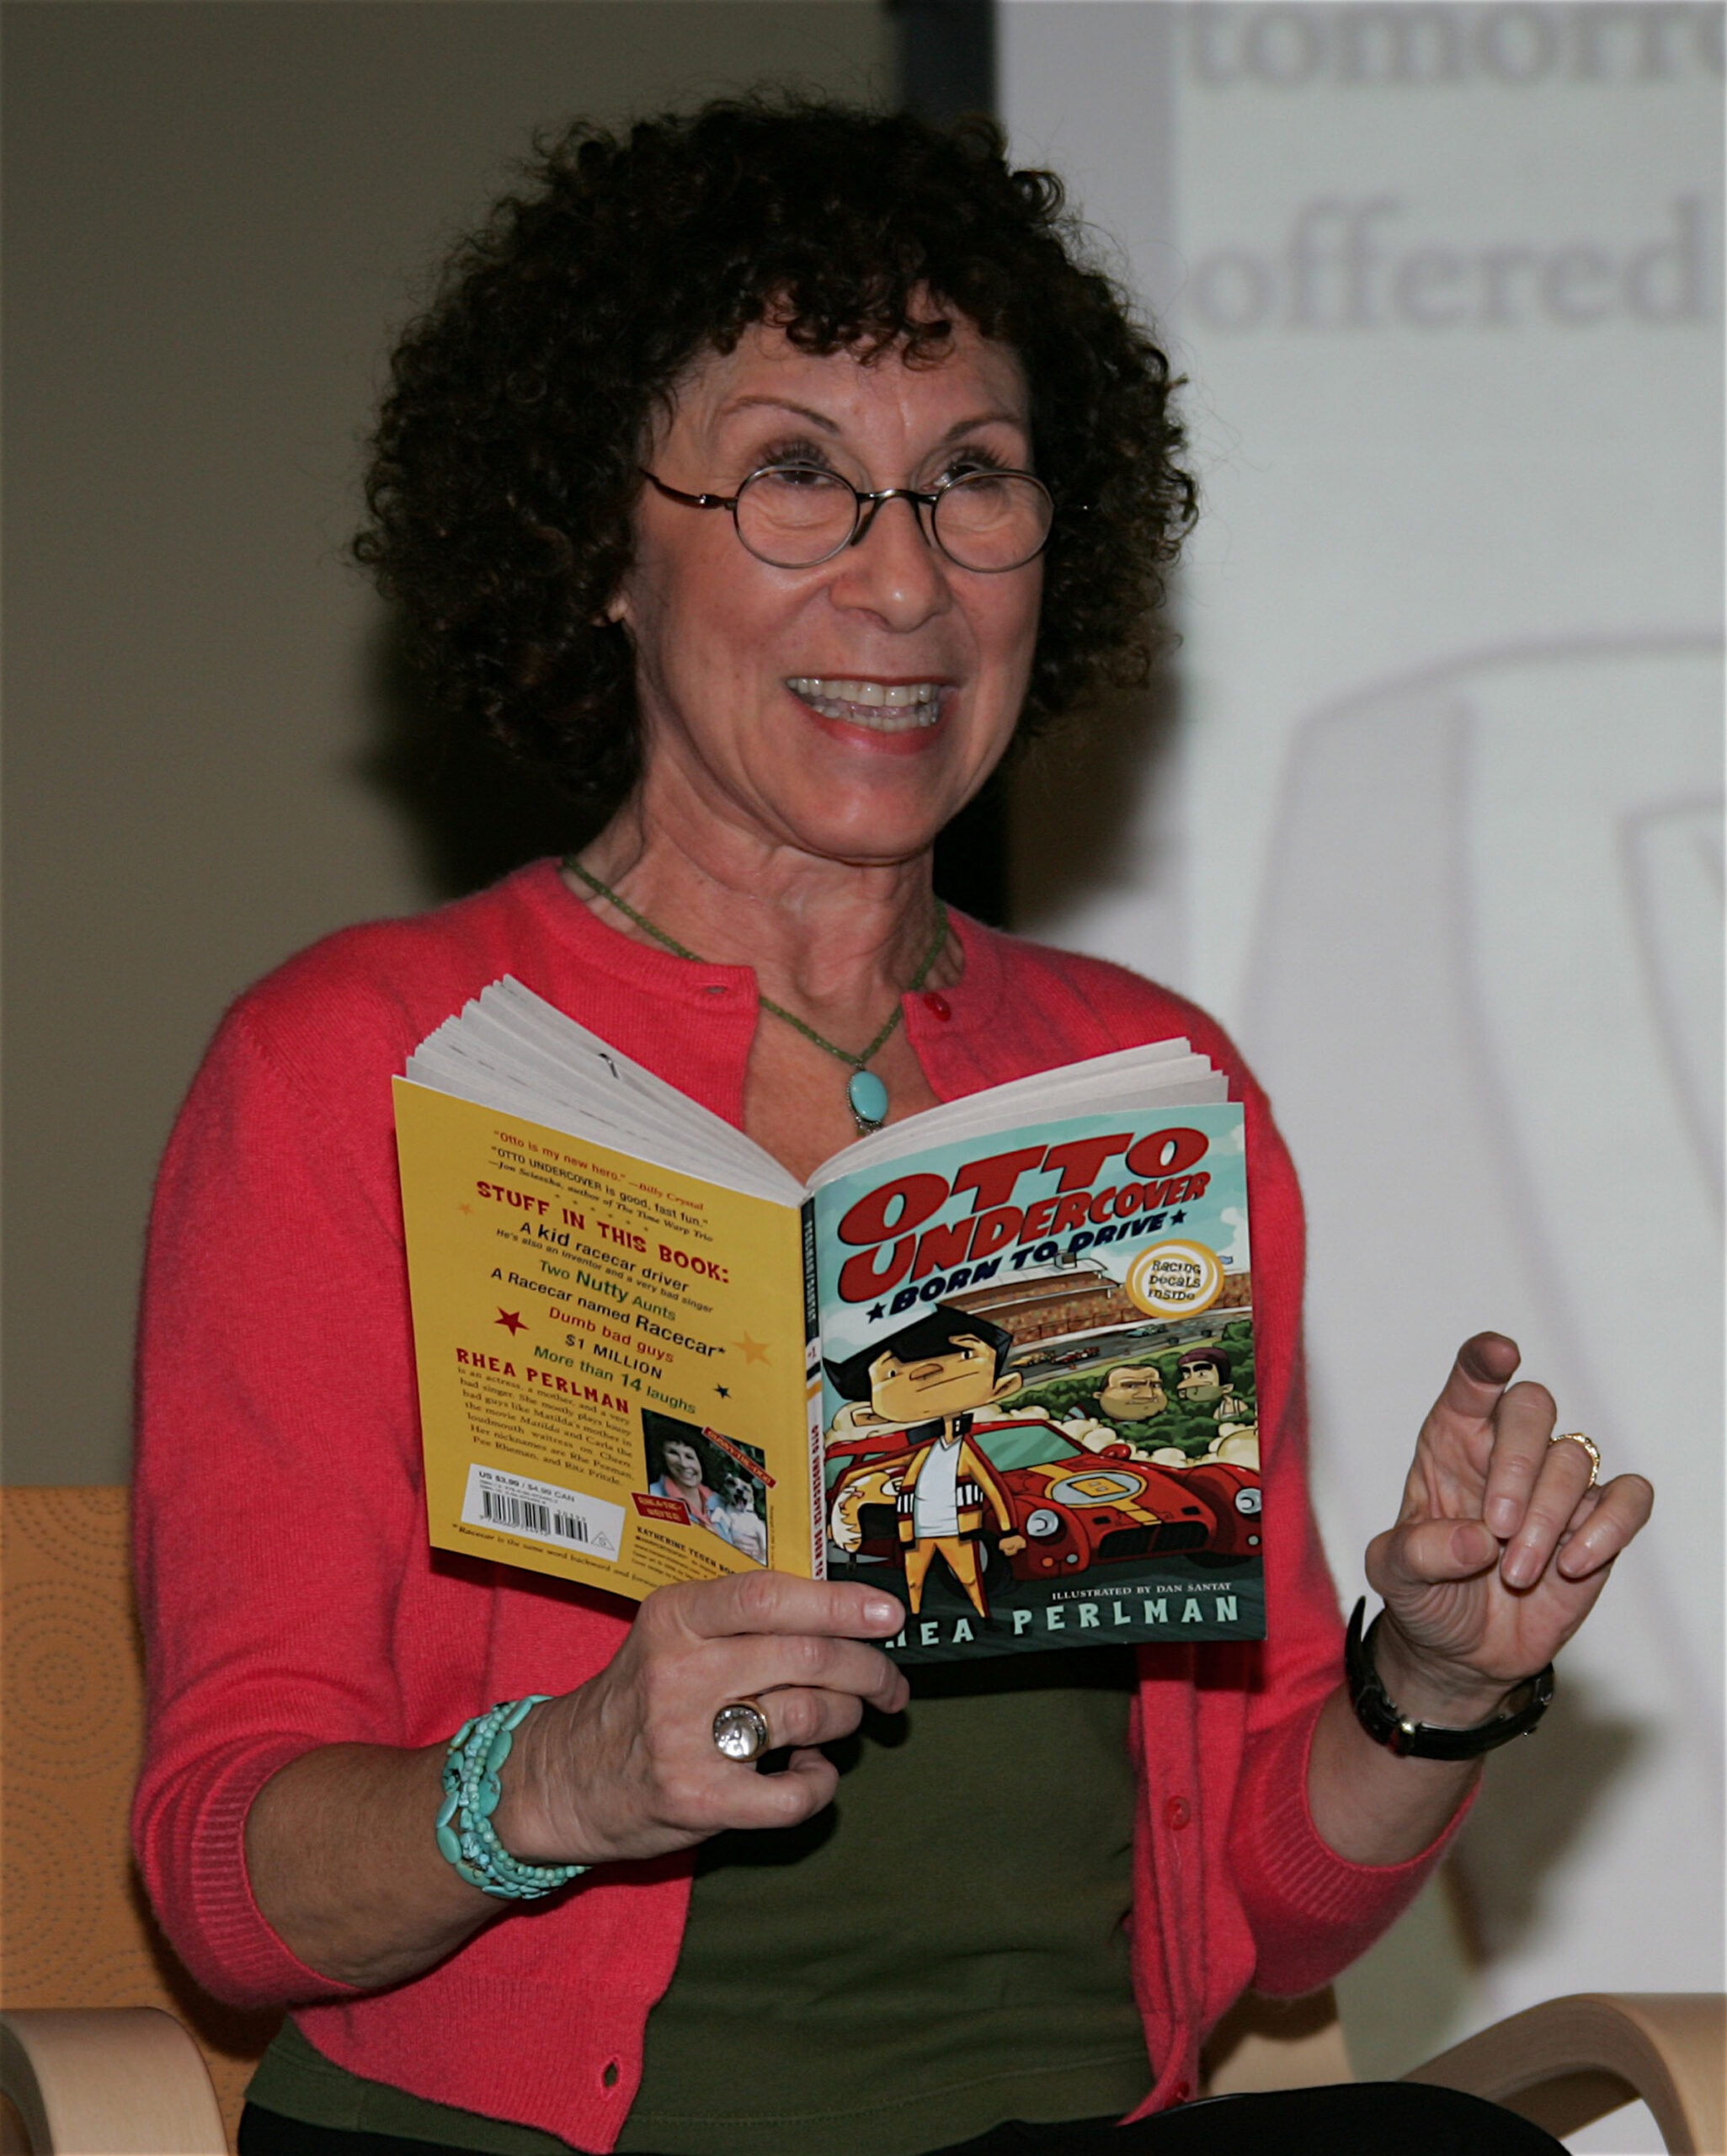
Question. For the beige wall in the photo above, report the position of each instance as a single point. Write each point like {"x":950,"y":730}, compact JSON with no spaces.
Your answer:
{"x":214,"y":213}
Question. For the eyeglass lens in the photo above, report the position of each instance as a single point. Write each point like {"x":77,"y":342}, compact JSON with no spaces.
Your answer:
{"x":793,"y":517}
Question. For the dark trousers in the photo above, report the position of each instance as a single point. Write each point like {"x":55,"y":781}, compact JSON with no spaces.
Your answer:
{"x":1369,"y":2118}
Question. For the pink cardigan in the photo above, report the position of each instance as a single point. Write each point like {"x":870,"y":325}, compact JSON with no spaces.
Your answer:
{"x":289,"y":1597}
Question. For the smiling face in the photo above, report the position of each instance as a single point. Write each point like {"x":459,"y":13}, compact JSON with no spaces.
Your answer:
{"x":849,"y":710}
{"x":922,"y":1387}
{"x":682,"y":1462}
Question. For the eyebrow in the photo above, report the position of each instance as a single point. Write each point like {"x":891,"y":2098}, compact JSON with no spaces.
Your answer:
{"x":832,"y":426}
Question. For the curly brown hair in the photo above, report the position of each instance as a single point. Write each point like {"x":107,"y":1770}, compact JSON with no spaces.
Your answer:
{"x":504,"y":467}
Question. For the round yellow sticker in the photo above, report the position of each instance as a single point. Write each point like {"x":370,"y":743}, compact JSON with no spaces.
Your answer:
{"x":1175,"y":1279}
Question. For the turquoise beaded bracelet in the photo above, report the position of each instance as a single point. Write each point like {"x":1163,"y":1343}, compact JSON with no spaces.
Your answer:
{"x":466,"y":1834}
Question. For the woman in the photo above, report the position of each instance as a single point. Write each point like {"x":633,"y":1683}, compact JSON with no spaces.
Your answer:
{"x":679,"y":1477}
{"x":763,"y":473}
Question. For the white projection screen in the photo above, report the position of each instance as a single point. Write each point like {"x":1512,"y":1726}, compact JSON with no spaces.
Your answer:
{"x":1429,"y":812}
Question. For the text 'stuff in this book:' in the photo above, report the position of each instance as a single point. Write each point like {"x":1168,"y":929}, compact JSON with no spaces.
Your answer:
{"x":997,"y":1358}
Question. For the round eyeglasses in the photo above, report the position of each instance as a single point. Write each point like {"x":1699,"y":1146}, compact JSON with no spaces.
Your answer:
{"x":793,"y":516}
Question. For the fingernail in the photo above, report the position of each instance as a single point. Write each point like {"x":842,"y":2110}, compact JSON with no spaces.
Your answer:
{"x":1522,"y":1566}
{"x":1502,"y":1515}
{"x":1576,"y":1559}
{"x":1465,"y":1549}
{"x":880,"y":1610}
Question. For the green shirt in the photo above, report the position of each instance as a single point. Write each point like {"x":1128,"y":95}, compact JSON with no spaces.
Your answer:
{"x":942,"y":1949}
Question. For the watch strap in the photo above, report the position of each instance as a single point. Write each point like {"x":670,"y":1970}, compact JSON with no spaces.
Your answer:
{"x":1374,"y":1710}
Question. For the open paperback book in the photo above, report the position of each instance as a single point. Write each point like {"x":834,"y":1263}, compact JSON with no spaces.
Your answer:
{"x":997,"y":1358}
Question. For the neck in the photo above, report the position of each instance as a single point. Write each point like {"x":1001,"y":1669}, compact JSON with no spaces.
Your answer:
{"x":835,"y":937}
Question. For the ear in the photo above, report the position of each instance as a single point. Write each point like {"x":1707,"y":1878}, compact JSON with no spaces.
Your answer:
{"x":617,"y":612}
{"x":1003,"y":1385}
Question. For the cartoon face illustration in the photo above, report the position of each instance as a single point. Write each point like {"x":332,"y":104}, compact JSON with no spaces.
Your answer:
{"x":946,"y":1362}
{"x":914,"y":1390}
{"x":1204,"y":1373}
{"x":1133,"y":1392}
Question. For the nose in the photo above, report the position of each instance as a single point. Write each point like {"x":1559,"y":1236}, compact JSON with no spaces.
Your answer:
{"x":892,"y":568}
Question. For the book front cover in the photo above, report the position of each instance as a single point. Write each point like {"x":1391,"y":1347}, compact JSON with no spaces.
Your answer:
{"x":1039,"y":1408}
{"x":611,"y":1357}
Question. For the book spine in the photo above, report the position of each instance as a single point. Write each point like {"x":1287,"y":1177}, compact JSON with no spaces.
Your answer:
{"x":813,"y":1398}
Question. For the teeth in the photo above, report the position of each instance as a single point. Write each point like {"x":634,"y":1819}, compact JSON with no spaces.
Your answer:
{"x":886,"y":707}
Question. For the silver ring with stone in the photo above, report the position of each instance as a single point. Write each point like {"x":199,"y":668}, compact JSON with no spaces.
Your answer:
{"x":1577,"y":1437}
{"x":740,"y":1732}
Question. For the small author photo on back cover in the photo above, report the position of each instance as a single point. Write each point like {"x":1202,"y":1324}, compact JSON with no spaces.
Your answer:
{"x":709,"y":1479}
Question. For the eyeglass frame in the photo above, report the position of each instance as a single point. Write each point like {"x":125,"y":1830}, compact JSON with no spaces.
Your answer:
{"x":865,"y":503}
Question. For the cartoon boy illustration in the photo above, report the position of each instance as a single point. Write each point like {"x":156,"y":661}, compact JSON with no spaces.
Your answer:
{"x":935,"y":1375}
{"x":1203,"y":1374}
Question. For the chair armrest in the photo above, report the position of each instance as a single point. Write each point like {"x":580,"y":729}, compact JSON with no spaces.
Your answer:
{"x":1570,"y":2061}
{"x":122,"y":2081}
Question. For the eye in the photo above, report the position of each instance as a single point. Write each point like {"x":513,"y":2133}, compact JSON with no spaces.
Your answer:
{"x":796,"y":453}
{"x":967,"y":463}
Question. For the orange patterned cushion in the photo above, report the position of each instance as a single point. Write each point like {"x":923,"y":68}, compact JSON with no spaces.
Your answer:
{"x":75,"y":1926}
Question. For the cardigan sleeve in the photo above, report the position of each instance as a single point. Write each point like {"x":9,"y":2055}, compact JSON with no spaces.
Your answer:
{"x":276,"y":1490}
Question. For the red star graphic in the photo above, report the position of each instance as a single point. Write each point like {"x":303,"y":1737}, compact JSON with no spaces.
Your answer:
{"x":511,"y":1319}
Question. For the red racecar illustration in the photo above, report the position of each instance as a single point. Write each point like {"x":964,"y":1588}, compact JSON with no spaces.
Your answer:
{"x":1075,"y":1508}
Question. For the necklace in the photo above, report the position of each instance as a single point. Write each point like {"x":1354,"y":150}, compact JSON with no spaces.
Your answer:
{"x":866,"y":1095}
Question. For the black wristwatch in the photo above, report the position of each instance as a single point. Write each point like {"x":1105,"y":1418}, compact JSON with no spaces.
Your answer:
{"x":1422,"y":1740}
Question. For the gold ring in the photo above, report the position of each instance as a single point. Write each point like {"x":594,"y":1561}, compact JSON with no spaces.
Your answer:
{"x":1577,"y":1437}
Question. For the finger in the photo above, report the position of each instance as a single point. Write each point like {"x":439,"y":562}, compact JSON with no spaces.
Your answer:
{"x":1484,"y":1368}
{"x":776,"y":1602}
{"x":1560,"y":1479}
{"x":1522,"y":1423}
{"x":1621,"y":1510}
{"x":747,"y":1668}
{"x":803,"y":1719}
{"x":769,"y":1800}
{"x":1431,"y":1553}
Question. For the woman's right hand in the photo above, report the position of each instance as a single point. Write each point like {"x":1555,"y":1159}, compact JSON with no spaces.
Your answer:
{"x":625,"y":1766}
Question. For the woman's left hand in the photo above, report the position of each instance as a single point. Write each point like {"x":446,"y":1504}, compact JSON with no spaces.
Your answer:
{"x":1502,"y":1545}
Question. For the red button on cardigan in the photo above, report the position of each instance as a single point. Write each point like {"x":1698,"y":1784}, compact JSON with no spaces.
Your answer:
{"x":937,"y":1006}
{"x":1177,"y":1812}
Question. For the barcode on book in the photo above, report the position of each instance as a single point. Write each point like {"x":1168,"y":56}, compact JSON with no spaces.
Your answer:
{"x":502,"y":1509}
{"x":542,"y":1512}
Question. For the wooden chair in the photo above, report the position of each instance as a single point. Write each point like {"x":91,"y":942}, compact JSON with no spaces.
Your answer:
{"x":107,"y":2046}
{"x":161,"y":2059}
{"x":1564,"y":2063}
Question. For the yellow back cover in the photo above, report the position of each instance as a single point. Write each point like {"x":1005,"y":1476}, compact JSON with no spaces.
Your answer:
{"x":615,"y":1385}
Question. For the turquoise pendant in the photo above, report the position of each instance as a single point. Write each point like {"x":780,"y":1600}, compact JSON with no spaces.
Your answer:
{"x":868,"y":1098}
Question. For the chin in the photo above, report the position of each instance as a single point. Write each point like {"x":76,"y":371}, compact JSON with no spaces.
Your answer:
{"x":866,"y":840}
{"x":875,"y":818}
